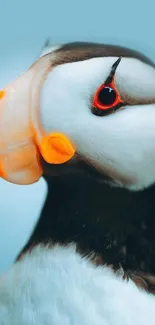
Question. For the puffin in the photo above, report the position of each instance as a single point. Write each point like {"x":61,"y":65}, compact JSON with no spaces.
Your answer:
{"x":90,"y":259}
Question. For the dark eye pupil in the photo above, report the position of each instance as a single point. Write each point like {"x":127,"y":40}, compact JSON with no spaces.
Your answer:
{"x":107,"y":96}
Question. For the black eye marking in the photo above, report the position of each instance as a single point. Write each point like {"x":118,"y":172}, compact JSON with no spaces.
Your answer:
{"x":107,"y":98}
{"x":113,"y":71}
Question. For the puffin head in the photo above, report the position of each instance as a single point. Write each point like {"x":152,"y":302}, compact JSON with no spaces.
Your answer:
{"x":102,"y":97}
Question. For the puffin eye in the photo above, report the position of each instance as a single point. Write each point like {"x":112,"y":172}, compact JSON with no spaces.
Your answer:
{"x":107,"y":96}
{"x":107,"y":99}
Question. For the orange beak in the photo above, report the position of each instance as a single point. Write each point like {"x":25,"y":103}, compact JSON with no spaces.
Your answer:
{"x":22,"y":138}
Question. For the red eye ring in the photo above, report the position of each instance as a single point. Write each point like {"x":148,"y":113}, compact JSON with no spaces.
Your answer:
{"x":107,"y":97}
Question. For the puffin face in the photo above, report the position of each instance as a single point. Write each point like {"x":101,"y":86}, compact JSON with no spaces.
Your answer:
{"x":103,"y":98}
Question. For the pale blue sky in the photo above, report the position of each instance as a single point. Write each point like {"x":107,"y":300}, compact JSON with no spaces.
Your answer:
{"x":24,"y":26}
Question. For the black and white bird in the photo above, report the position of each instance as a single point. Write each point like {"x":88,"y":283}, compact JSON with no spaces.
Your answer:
{"x":91,"y":257}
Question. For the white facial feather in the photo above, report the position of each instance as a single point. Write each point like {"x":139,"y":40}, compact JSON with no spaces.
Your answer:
{"x":121,"y":145}
{"x":56,"y":286}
